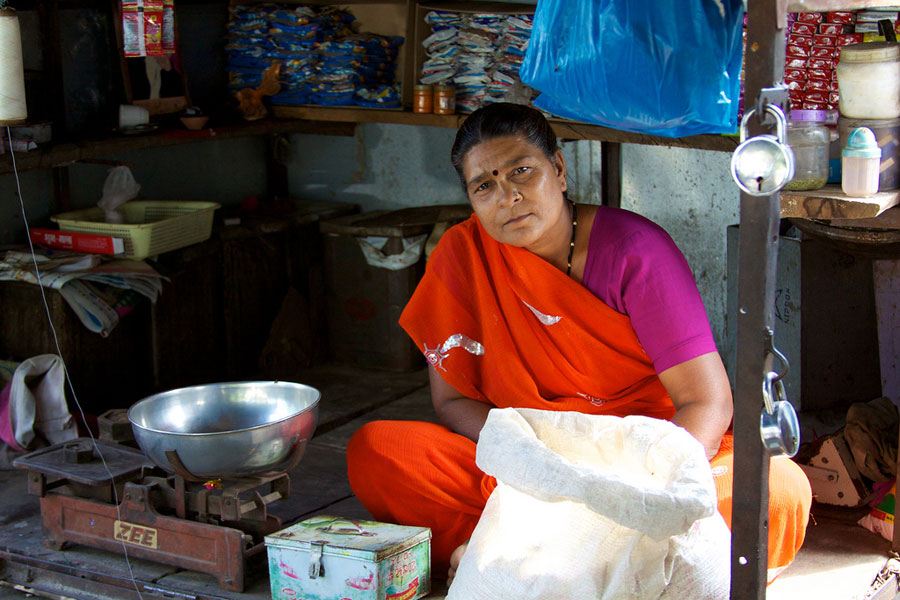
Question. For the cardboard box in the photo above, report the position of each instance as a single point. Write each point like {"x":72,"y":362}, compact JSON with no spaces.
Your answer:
{"x":329,"y":558}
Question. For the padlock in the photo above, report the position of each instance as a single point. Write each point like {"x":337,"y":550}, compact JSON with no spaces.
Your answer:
{"x":764,"y":164}
{"x":778,"y":424}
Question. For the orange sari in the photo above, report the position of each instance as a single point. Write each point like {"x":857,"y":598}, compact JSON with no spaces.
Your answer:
{"x":502,"y":325}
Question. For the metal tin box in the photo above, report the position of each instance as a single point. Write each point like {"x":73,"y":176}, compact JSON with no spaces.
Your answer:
{"x":329,"y":558}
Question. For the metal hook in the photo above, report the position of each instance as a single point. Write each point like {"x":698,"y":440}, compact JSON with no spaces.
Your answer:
{"x":771,"y":349}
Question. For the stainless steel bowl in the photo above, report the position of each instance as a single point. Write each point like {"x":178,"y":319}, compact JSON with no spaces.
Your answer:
{"x":227,"y":430}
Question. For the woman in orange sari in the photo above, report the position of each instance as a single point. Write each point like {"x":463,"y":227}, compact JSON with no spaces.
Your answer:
{"x":536,"y":302}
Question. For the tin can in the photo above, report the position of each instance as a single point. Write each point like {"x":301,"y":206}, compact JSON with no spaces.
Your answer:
{"x":329,"y":558}
{"x":423,"y":99}
{"x":444,"y":99}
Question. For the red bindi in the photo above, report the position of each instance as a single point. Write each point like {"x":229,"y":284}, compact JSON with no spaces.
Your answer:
{"x":496,"y":172}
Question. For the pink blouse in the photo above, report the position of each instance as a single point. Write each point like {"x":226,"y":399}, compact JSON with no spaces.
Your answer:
{"x":635,"y":268}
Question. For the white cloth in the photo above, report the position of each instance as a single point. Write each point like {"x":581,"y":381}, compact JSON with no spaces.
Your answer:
{"x":594,"y":507}
{"x":37,"y":402}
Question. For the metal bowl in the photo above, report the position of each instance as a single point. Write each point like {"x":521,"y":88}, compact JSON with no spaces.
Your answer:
{"x":226,"y":430}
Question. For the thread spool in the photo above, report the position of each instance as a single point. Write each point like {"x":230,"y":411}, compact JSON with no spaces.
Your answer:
{"x":13,"y":110}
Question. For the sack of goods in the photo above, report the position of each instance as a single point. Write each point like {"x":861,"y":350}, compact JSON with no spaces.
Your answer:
{"x":596,"y":507}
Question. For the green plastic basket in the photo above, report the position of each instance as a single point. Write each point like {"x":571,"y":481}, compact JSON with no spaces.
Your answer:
{"x":151,"y":226}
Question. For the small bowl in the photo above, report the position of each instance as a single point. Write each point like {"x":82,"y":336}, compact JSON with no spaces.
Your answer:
{"x":194,"y":123}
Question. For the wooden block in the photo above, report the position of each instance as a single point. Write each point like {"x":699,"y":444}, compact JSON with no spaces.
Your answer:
{"x":831,"y":203}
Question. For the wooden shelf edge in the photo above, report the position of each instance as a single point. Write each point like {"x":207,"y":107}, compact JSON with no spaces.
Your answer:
{"x":831,"y":203}
{"x":325,"y":121}
{"x":62,"y":154}
{"x":570,"y":130}
{"x":829,"y":5}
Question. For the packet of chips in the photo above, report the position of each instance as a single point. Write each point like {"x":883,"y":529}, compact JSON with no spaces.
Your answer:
{"x":142,"y":27}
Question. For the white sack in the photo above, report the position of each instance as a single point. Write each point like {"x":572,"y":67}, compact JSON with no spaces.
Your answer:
{"x":594,"y":507}
{"x":37,"y":402}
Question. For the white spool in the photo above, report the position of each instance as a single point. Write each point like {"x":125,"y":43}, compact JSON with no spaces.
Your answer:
{"x":13,"y":110}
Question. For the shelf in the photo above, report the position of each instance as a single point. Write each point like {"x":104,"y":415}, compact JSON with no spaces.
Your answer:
{"x":65,"y":153}
{"x":569,"y":130}
{"x":889,"y":219}
{"x":831,"y":203}
{"x":323,"y":121}
{"x":828,"y":5}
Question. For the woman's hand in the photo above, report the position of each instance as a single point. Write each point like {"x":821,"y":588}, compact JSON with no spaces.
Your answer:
{"x":454,"y":562}
{"x":459,"y":414}
{"x":701,"y":394}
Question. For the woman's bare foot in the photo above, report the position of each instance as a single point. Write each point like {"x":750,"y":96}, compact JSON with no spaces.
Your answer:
{"x":454,"y":562}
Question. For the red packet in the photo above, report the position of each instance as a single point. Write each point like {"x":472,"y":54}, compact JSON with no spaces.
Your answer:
{"x":153,"y":24}
{"x":817,"y":85}
{"x":810,"y":17}
{"x":828,"y":52}
{"x":800,"y":40}
{"x":168,"y":28}
{"x":847,"y":39}
{"x":831,"y":29}
{"x":797,"y":51}
{"x":820,"y":63}
{"x":843,"y":17}
{"x":795,"y":75}
{"x":826,"y":40}
{"x":803,"y":28}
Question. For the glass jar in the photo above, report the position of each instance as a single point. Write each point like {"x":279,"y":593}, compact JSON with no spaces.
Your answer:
{"x":868,"y":78}
{"x":423,"y":99}
{"x":809,"y":138}
{"x":444,"y":99}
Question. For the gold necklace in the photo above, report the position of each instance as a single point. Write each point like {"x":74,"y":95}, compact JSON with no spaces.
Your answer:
{"x":572,"y":241}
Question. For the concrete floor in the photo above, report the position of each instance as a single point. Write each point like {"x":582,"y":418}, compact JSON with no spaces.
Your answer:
{"x":839,"y":560}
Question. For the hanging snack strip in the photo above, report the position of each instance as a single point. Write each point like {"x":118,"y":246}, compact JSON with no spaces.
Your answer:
{"x":148,"y":27}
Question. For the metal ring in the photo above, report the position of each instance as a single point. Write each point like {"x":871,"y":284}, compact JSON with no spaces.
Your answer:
{"x":772,"y":391}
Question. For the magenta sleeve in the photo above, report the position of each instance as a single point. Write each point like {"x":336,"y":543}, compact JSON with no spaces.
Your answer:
{"x":635,"y":267}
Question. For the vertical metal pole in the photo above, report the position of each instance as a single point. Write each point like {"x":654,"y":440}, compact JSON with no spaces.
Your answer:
{"x":764,"y":66}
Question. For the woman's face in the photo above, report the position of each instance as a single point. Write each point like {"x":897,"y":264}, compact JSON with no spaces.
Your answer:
{"x":516,"y":192}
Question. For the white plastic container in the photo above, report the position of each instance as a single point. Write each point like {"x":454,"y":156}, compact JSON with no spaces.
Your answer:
{"x":869,"y":80}
{"x":860,"y":163}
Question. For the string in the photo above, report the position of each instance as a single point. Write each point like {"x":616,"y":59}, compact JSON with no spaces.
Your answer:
{"x":37,"y":273}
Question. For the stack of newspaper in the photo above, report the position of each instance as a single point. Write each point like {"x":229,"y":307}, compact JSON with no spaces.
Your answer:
{"x":99,"y":290}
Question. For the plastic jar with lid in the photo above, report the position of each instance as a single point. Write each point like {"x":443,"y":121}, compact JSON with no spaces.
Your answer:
{"x":444,"y":99}
{"x":869,"y":80}
{"x":860,"y":161}
{"x":809,"y":138}
{"x":423,"y":98}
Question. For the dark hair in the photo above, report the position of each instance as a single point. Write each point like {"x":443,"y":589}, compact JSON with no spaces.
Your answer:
{"x":501,"y":119}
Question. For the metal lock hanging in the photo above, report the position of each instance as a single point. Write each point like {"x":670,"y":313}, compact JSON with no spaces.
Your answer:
{"x":778,"y":425}
{"x":764,"y":164}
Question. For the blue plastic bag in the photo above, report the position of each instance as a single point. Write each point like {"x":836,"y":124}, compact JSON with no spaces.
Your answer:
{"x":667,"y":67}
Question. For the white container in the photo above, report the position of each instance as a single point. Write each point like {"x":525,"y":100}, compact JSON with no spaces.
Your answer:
{"x":860,"y":163}
{"x":869,"y":80}
{"x":328,"y":558}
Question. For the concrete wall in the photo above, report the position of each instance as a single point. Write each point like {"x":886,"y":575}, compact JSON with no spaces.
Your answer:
{"x":690,"y":193}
